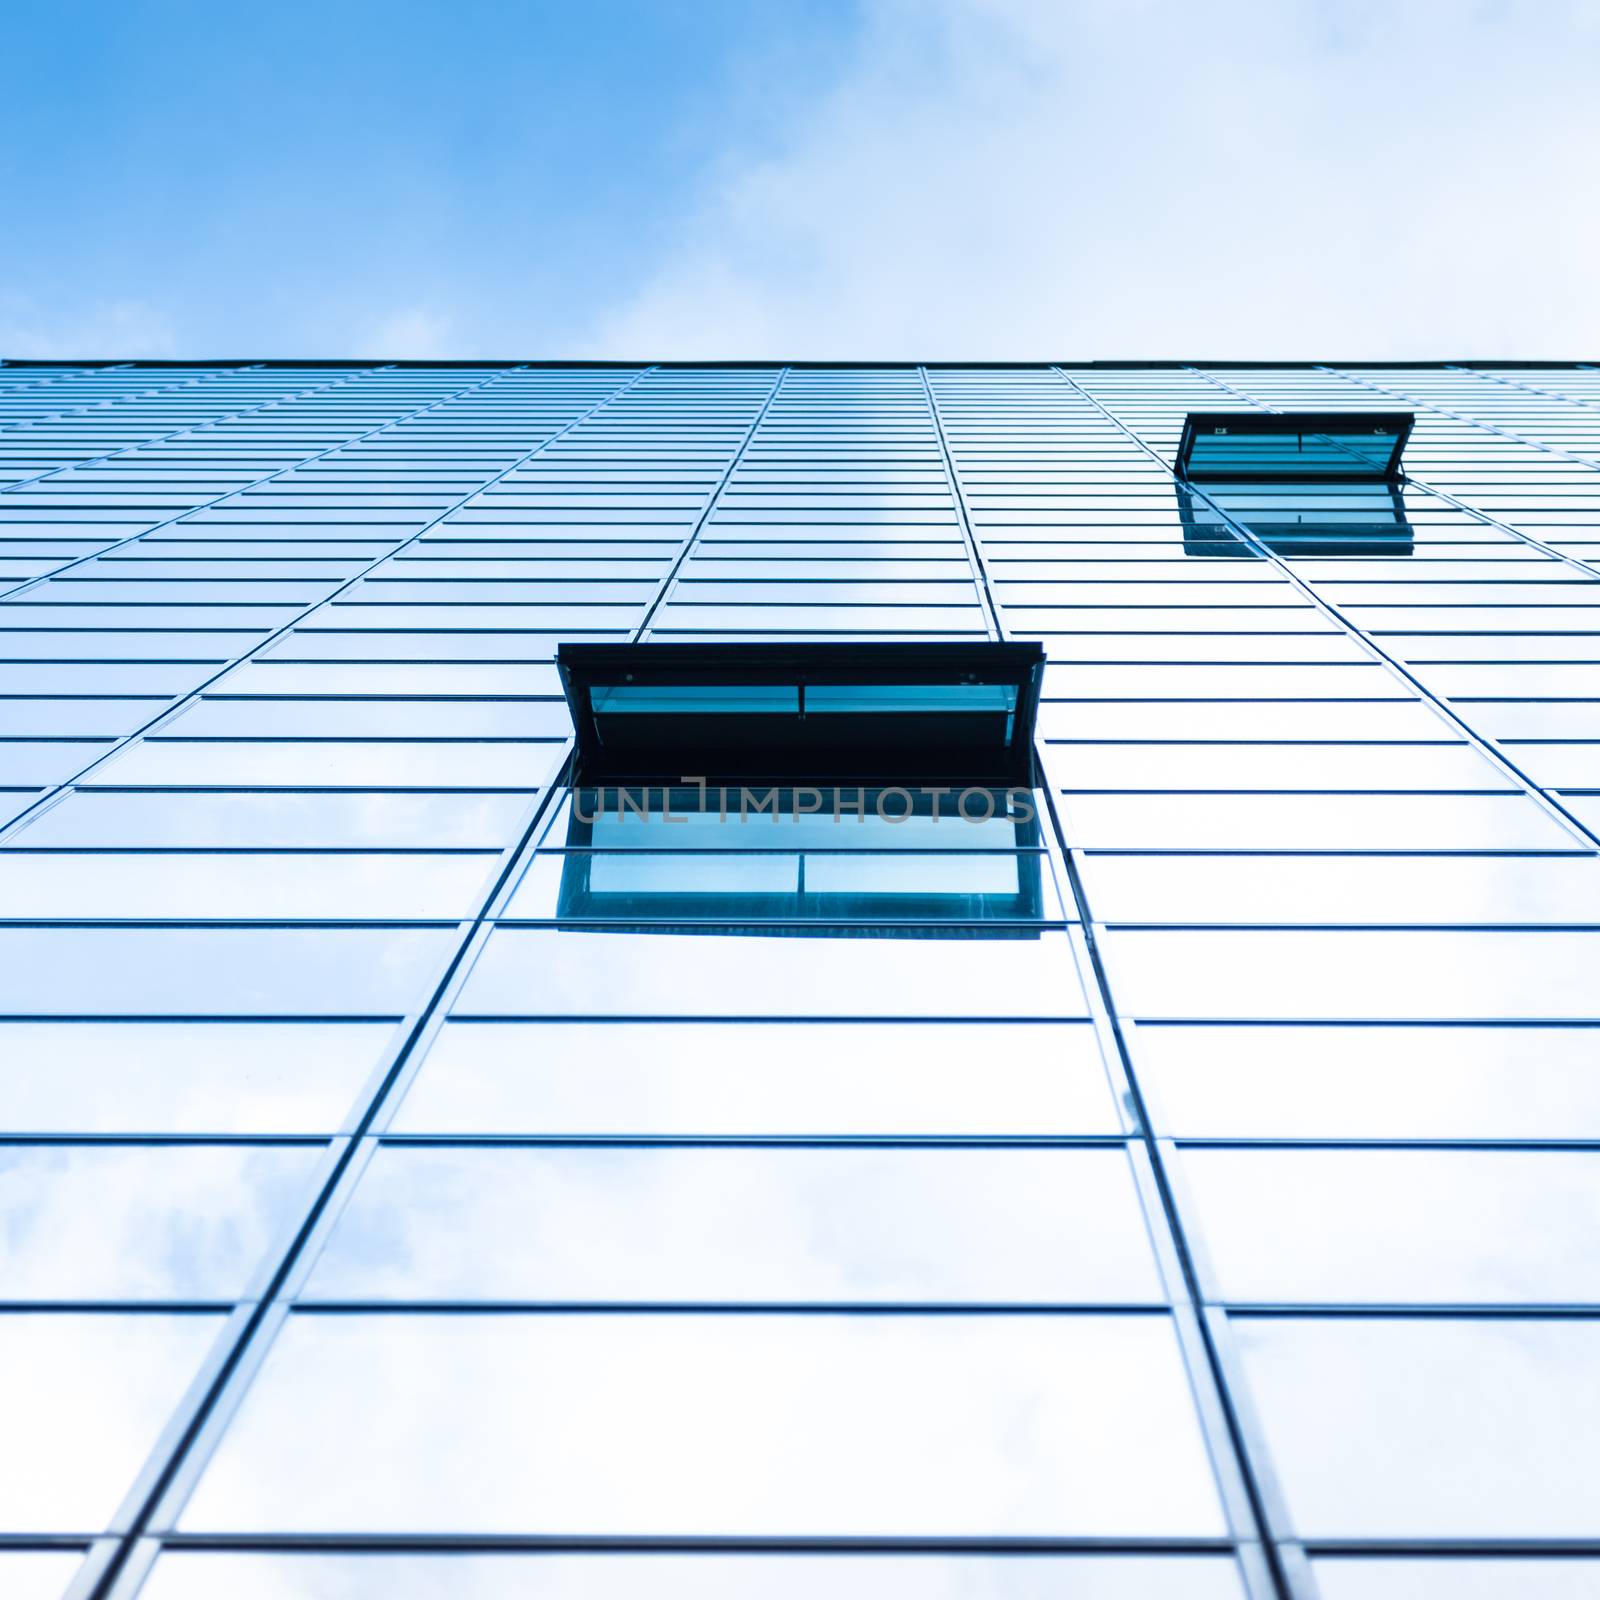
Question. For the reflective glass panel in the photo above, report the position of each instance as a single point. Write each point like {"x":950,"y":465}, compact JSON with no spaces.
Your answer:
{"x":222,"y":971}
{"x":201,"y":1575}
{"x":1312,"y":822}
{"x":1488,"y":1426}
{"x":548,"y":972}
{"x":679,"y":1424}
{"x":1377,"y":973}
{"x":1481,"y":1577}
{"x":821,"y":1079}
{"x":1168,"y":887}
{"x":1371,"y":1082}
{"x":145,"y":1221}
{"x":37,"y":1574}
{"x":84,"y":1396}
{"x":182,"y":1077}
{"x":329,"y":764}
{"x":1391,"y":1226}
{"x":237,"y":886}
{"x":725,"y":1224}
{"x":285,"y":821}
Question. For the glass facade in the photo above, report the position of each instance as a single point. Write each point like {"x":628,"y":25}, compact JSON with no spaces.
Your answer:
{"x":1178,"y":1178}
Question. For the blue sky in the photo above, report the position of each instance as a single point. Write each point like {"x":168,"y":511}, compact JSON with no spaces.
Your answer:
{"x":810,"y":178}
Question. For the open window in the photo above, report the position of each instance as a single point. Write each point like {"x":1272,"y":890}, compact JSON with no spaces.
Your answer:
{"x":880,"y":712}
{"x":1304,"y":483}
{"x":1326,"y":519}
{"x":1292,"y":446}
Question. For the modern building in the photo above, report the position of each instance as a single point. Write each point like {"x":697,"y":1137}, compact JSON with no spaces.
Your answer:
{"x":1163,"y":1164}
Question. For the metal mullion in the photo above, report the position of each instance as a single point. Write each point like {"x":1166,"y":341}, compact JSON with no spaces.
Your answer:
{"x":1488,"y":518}
{"x":980,"y":573}
{"x":767,"y":1019}
{"x":1230,"y":1451}
{"x":105,"y":1555}
{"x":1459,"y":416}
{"x":162,"y":438}
{"x":394,"y":1085}
{"x":72,"y":374}
{"x":256,"y":483}
{"x":1527,"y":388}
{"x":1586,"y":568}
{"x":17,"y":432}
{"x":175,"y":707}
{"x":444,"y":1543}
{"x":1485,"y":747}
{"x":1281,"y":1554}
{"x":1506,"y":1545}
{"x":753,"y":1141}
{"x":172,"y":1469}
{"x":669,"y":580}
{"x":1417,"y":1310}
{"x":1293,"y":1570}
{"x":500,"y":1306}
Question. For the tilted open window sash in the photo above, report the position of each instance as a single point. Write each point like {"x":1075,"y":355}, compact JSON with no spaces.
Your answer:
{"x":1292,"y":446}
{"x":884,"y":712}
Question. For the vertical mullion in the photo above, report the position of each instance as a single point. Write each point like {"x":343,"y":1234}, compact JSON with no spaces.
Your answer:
{"x":170,"y":1478}
{"x":172,"y":709}
{"x":993,"y":617}
{"x":669,"y":581}
{"x":1485,"y":747}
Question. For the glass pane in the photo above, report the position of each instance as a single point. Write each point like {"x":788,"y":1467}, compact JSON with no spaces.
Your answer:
{"x":1241,"y":719}
{"x":1378,"y":973}
{"x":1168,"y":887}
{"x":329,"y":764}
{"x":236,"y":886}
{"x":680,"y":699}
{"x":143,"y":1222}
{"x":84,"y":1396}
{"x":328,"y":718}
{"x":55,"y":718}
{"x":550,"y":972}
{"x":1457,"y":1578}
{"x":279,"y":821}
{"x":37,"y":1574}
{"x":1392,"y":1226}
{"x":1371,"y":1082}
{"x":825,"y":1078}
{"x":1312,"y":822}
{"x":643,"y":1424}
{"x":1273,"y":766}
{"x":826,"y":1225}
{"x":204,"y":1574}
{"x":1488,"y":1426}
{"x":218,"y":971}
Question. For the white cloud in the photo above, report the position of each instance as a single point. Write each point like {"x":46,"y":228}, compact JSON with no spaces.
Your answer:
{"x":120,"y":329}
{"x":1282,"y":178}
{"x":416,"y":333}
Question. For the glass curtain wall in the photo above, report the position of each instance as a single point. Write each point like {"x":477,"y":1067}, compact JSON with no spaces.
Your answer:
{"x":421,"y":1178}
